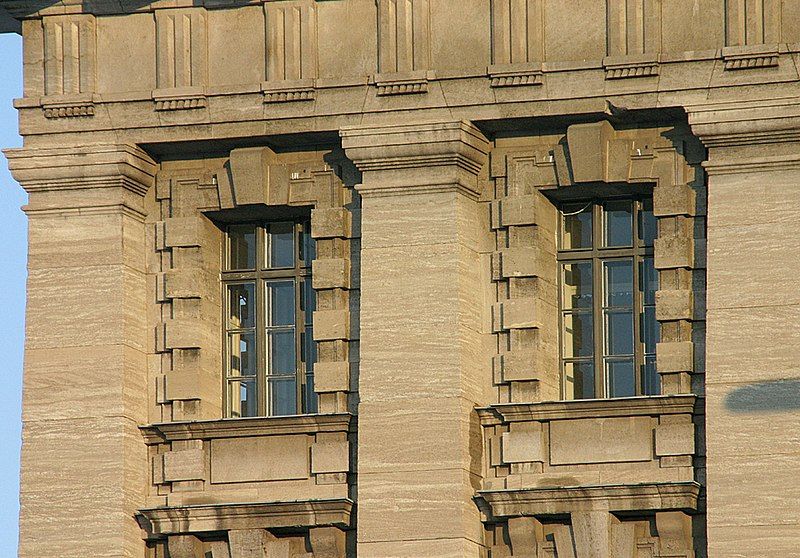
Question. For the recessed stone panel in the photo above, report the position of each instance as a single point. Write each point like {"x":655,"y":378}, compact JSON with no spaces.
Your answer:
{"x":262,"y":458}
{"x":601,"y":440}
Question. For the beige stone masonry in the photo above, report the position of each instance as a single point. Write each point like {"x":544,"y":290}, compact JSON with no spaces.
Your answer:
{"x":87,"y":199}
{"x":421,"y":279}
{"x":752,"y":171}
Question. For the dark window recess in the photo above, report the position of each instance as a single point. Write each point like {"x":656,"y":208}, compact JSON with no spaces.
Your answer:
{"x":269,"y":303}
{"x":607,"y":286}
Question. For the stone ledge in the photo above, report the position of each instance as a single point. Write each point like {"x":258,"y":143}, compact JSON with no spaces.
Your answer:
{"x":288,"y":91}
{"x":614,"y":498}
{"x":242,"y":427}
{"x":514,"y":75}
{"x":750,"y":57}
{"x":621,"y":67}
{"x":161,"y":522}
{"x":591,"y":408}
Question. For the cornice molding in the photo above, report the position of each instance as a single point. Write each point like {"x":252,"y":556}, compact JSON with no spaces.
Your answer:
{"x":614,"y":498}
{"x":244,"y":427}
{"x":742,"y":123}
{"x":174,"y":520}
{"x":82,"y":167}
{"x":591,"y":408}
{"x":443,"y":156}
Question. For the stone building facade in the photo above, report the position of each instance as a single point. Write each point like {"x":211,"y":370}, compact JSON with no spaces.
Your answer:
{"x":410,"y":278}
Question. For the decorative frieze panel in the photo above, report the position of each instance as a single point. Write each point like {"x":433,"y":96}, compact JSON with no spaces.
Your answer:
{"x":633,"y":38}
{"x":181,"y":59}
{"x":403,"y":46}
{"x":752,"y":22}
{"x":517,"y":42}
{"x":291,"y":47}
{"x":70,"y":58}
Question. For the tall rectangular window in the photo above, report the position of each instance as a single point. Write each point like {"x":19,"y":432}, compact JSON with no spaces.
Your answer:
{"x":607,"y":301}
{"x":269,"y":303}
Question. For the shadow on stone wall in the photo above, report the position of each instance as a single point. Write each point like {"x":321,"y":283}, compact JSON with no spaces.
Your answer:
{"x":764,"y":397}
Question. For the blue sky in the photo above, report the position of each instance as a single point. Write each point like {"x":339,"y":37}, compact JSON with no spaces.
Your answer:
{"x":13,"y":250}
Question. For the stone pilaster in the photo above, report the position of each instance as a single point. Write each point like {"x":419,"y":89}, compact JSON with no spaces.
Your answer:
{"x":85,"y":379}
{"x":753,"y":341}
{"x":423,"y":365}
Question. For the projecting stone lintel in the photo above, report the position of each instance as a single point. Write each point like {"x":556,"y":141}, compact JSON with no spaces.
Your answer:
{"x":242,"y":427}
{"x":173,"y":520}
{"x":681,"y":496}
{"x":442,"y":155}
{"x":591,"y":408}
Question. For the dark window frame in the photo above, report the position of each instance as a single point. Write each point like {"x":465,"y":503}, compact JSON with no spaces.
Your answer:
{"x":638,"y":252}
{"x":259,"y":276}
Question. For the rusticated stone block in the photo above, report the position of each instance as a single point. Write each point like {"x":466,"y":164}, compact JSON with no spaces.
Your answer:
{"x":331,"y":273}
{"x":183,"y":465}
{"x":257,"y":543}
{"x":178,"y":334}
{"x":330,"y":325}
{"x":181,"y":232}
{"x":185,"y":546}
{"x":257,"y":179}
{"x":675,"y":357}
{"x":331,"y":222}
{"x":524,"y":444}
{"x":331,"y":376}
{"x":525,"y":364}
{"x":674,"y":439}
{"x":674,"y":252}
{"x":674,"y":305}
{"x":327,"y":542}
{"x":522,"y":313}
{"x":525,"y":262}
{"x":671,"y":200}
{"x":534,"y":209}
{"x":330,"y":457}
{"x":179,"y":283}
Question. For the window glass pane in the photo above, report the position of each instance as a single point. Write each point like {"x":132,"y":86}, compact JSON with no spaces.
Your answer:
{"x":618,"y":283}
{"x":649,"y":279}
{"x":647,"y":223}
{"x":241,"y":306}
{"x":280,"y":301}
{"x":621,"y":381}
{"x":242,"y":354}
{"x":619,"y":333}
{"x":308,"y":301}
{"x":578,"y":335}
{"x":283,"y":396}
{"x":651,"y":383}
{"x":280,"y":245}
{"x":242,"y":247}
{"x":650,"y":329}
{"x":308,"y":247}
{"x":576,"y":222}
{"x":242,"y":399}
{"x":309,"y":348}
{"x":579,"y":380}
{"x":281,"y":351}
{"x":618,"y":223}
{"x":577,"y":285}
{"x":310,"y":403}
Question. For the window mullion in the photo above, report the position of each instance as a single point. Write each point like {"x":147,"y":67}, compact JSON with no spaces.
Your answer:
{"x":299,"y":322}
{"x":261,"y":324}
{"x":597,"y":305}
